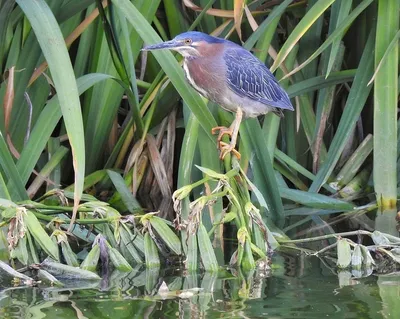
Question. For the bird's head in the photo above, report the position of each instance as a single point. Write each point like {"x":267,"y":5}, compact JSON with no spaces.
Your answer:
{"x":188,"y":44}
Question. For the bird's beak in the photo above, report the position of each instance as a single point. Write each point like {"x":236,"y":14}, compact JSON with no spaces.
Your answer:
{"x":164,"y":45}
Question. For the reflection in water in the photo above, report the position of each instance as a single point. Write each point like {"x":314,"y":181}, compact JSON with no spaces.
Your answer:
{"x":300,"y":288}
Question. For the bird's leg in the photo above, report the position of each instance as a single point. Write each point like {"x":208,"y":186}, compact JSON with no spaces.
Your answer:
{"x":232,"y":131}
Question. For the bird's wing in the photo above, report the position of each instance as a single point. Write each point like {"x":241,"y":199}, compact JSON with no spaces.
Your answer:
{"x":248,"y":77}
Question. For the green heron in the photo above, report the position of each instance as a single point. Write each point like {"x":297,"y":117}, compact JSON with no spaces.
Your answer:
{"x":230,"y":76}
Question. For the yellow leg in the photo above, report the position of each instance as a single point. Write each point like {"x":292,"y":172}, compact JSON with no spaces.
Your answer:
{"x":233,"y":132}
{"x":222,"y":131}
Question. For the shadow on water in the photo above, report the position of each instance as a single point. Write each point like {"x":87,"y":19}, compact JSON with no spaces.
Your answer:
{"x":302,"y":287}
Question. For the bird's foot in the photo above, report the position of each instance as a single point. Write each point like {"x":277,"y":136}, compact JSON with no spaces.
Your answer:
{"x":222,"y":131}
{"x":226,"y":148}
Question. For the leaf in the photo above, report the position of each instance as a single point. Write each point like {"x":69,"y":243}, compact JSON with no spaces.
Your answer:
{"x":275,"y":13}
{"x":118,"y":260}
{"x":69,"y":255}
{"x":126,"y":195}
{"x":211,"y":173}
{"x":264,"y":174}
{"x":368,"y":261}
{"x":389,"y":49}
{"x":314,"y":200}
{"x":357,"y":258}
{"x":345,"y":6}
{"x":150,"y":252}
{"x":336,"y":34}
{"x":238,"y":7}
{"x":385,"y":106}
{"x":46,"y":277}
{"x":20,"y":252}
{"x":344,"y":254}
{"x":355,"y":103}
{"x":228,"y":217}
{"x":68,"y":272}
{"x":16,"y":187}
{"x":41,"y":237}
{"x":380,"y":238}
{"x":169,"y":65}
{"x":166,"y":234}
{"x":45,"y":124}
{"x":92,"y":259}
{"x":55,"y":51}
{"x":128,"y":241}
{"x":301,"y":28}
{"x":12,"y":272}
{"x":207,"y":253}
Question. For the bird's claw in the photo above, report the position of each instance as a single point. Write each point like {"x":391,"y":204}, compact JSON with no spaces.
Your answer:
{"x":228,"y":148}
{"x":222,"y":131}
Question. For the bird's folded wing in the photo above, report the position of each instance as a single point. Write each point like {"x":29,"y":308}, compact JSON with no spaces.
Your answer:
{"x":248,"y":77}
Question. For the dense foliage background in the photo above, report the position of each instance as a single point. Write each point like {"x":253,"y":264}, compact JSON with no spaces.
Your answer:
{"x":84,"y":111}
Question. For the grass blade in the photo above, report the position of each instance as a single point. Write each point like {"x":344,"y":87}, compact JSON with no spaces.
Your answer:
{"x":150,"y":252}
{"x":206,"y":250}
{"x":355,"y":102}
{"x":45,"y":125}
{"x":169,"y":65}
{"x":264,"y":175}
{"x":40,"y":236}
{"x":345,"y":6}
{"x":385,"y":106}
{"x":335,"y":35}
{"x":126,"y":195}
{"x":55,"y":51}
{"x":314,"y":200}
{"x":305,"y":23}
{"x":166,"y":234}
{"x":8,"y":166}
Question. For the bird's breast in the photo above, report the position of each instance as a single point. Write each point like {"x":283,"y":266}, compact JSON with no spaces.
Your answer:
{"x":193,"y":79}
{"x":207,"y":79}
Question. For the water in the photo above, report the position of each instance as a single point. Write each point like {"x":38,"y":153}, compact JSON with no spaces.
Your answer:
{"x":300,"y":288}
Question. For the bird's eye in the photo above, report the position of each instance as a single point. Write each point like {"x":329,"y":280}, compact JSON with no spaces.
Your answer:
{"x":188,"y":41}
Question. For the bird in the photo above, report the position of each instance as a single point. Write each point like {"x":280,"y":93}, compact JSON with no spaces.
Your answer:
{"x":229,"y":75}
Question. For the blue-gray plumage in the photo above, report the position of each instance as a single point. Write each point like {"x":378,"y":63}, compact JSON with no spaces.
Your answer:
{"x":229,"y":75}
{"x":248,"y":77}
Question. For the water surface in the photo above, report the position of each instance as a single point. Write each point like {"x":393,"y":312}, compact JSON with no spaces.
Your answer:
{"x":303,"y":287}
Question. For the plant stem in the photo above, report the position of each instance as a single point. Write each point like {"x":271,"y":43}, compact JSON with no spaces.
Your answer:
{"x":344,"y":234}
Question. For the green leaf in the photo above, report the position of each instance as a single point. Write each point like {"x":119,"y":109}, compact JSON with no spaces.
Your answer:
{"x":55,"y":51}
{"x":301,"y":28}
{"x":335,"y":35}
{"x":118,"y":260}
{"x":45,"y":124}
{"x":314,"y":200}
{"x":92,"y":259}
{"x":64,"y":271}
{"x":151,"y":253}
{"x":129,"y":200}
{"x":206,"y":250}
{"x":345,"y":6}
{"x":40,"y":236}
{"x":7,"y":163}
{"x":264,"y":175}
{"x":275,"y":13}
{"x":169,"y":65}
{"x":355,"y":103}
{"x":385,"y":106}
{"x":166,"y":234}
